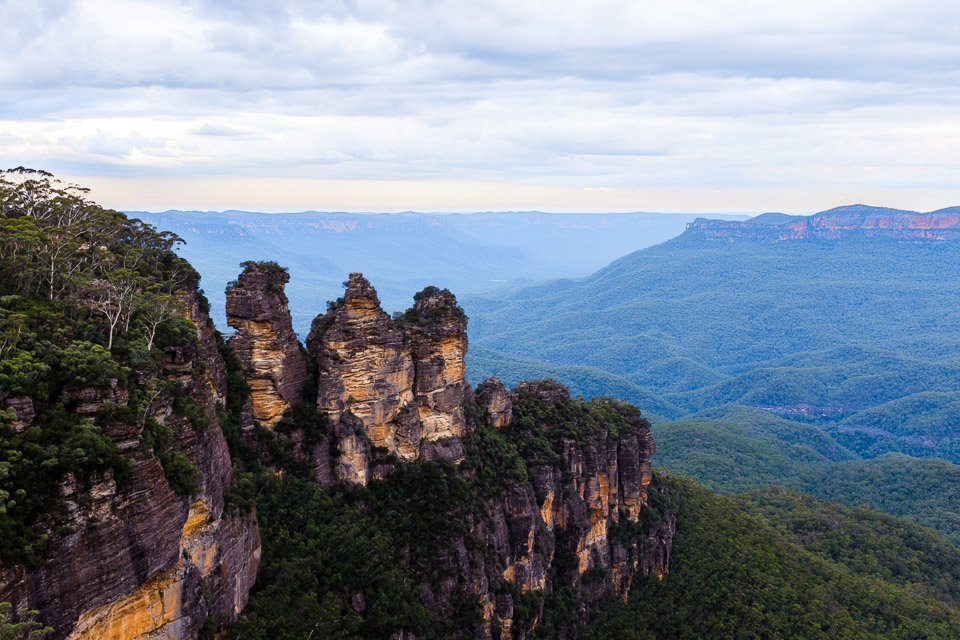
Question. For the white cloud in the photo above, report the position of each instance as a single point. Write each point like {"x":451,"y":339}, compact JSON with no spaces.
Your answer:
{"x":612,"y":93}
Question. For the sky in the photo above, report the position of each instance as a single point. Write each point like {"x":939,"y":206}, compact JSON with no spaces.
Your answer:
{"x":613,"y":105}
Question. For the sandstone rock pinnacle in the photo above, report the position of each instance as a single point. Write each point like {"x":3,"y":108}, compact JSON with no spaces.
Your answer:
{"x":265,"y":342}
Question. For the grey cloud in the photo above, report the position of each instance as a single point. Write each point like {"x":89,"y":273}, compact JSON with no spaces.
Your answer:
{"x":210,"y":129}
{"x":617,"y":92}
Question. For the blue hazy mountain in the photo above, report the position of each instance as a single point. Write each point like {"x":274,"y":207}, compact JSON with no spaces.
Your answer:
{"x":403,"y":252}
{"x":849,"y":318}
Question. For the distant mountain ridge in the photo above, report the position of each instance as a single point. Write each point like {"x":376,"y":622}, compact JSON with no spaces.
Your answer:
{"x":841,"y":222}
{"x":470,"y":253}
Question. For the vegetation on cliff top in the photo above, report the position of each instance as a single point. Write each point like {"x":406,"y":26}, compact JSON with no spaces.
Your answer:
{"x":735,"y":575}
{"x":88,"y":301}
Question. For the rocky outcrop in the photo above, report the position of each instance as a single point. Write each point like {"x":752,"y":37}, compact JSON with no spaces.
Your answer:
{"x":495,"y":398}
{"x":402,"y":380}
{"x":599,"y":483}
{"x":856,"y":221}
{"x":135,"y":559}
{"x":265,"y":342}
{"x":366,"y":369}
{"x":436,"y":329}
{"x":23,"y":412}
{"x":580,"y":522}
{"x":89,"y":400}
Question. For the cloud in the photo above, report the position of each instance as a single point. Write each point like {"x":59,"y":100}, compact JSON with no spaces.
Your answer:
{"x":611,"y":93}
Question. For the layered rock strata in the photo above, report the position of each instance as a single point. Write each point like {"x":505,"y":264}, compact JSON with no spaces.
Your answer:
{"x":265,"y":342}
{"x":576,"y":523}
{"x":855,"y":221}
{"x":495,"y":398}
{"x":137,"y":560}
{"x":402,"y":379}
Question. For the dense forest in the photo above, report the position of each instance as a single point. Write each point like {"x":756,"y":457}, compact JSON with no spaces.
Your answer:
{"x":823,"y":331}
{"x":89,"y":299}
{"x":808,"y":364}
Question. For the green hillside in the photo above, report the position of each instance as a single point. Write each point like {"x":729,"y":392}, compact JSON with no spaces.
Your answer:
{"x":734,"y":448}
{"x":759,"y":567}
{"x":860,"y":335}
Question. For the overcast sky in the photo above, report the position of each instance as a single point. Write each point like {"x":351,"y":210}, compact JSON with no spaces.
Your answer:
{"x":487,"y":104}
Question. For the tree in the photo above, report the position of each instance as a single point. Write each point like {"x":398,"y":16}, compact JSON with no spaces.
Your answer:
{"x":159,"y":308}
{"x":116,"y":297}
{"x":27,"y":629}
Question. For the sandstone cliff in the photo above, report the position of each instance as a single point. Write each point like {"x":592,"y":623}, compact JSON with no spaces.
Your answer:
{"x":856,"y":221}
{"x":578,"y":524}
{"x":135,"y":559}
{"x":575,"y":520}
{"x":400,"y":380}
{"x":265,"y":342}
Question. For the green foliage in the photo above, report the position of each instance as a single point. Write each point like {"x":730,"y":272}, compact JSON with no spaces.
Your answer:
{"x":866,"y":542}
{"x":26,"y":629}
{"x":89,"y":300}
{"x":538,"y":427}
{"x":32,"y":463}
{"x":447,"y":308}
{"x":305,"y":418}
{"x":737,"y":449}
{"x":492,"y":459}
{"x":267,"y":266}
{"x":735,"y":576}
{"x":177,"y":468}
{"x":923,"y":490}
{"x":322,"y":548}
{"x":830,"y":332}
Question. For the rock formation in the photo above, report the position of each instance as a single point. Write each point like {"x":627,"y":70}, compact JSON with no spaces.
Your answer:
{"x":855,"y":221}
{"x":265,"y":342}
{"x":495,"y":398}
{"x":137,"y":560}
{"x":140,"y":561}
{"x":577,"y":523}
{"x":401,"y":379}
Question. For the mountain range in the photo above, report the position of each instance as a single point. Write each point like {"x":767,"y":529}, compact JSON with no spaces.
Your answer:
{"x":403,"y":252}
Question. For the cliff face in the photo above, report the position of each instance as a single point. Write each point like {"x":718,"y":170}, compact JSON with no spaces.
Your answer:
{"x":265,"y":342}
{"x":576,"y":519}
{"x":401,"y":381}
{"x":842,"y":222}
{"x":135,"y":559}
{"x":580,"y":523}
{"x":588,"y":500}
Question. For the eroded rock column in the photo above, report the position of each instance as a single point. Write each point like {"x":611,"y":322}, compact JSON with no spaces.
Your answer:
{"x":265,"y":342}
{"x":366,"y":369}
{"x":437,"y":330}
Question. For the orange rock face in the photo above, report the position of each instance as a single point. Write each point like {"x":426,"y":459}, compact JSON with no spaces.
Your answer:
{"x":842,"y":222}
{"x":402,"y":379}
{"x":127,"y":562}
{"x":265,"y":342}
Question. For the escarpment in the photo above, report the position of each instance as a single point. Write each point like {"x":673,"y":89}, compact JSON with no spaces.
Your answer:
{"x":536,"y":502}
{"x":155,"y":553}
{"x":842,"y":223}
